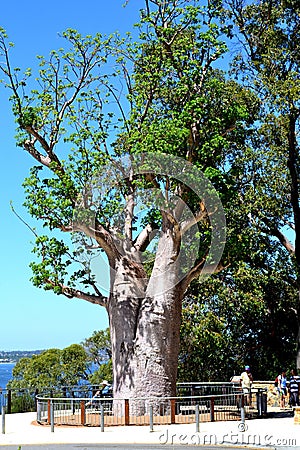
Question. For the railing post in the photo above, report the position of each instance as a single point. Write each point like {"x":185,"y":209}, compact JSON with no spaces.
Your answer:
{"x":3,"y":419}
{"x":38,"y":410}
{"x":126,"y":410}
{"x":82,"y":412}
{"x":52,"y":415}
{"x":49,"y":412}
{"x":35,"y":399}
{"x":9,"y":401}
{"x":102,"y":416}
{"x":197,"y":418}
{"x":264,"y":402}
{"x":212,"y":409}
{"x":173,"y":405}
{"x":259,"y":402}
{"x":151,"y":417}
{"x":242,"y":408}
{"x":73,"y":402}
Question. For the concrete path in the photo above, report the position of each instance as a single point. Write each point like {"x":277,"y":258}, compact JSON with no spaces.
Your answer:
{"x":271,"y":433}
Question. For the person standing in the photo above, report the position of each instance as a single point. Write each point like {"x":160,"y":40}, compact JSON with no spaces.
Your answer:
{"x":246,"y":381}
{"x":294,"y":388}
{"x":282,"y":386}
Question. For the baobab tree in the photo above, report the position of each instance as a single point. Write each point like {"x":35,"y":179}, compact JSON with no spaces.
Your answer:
{"x":132,"y":143}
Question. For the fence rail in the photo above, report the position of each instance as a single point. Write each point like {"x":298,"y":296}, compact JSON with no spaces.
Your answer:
{"x":149,"y":411}
{"x":23,"y":400}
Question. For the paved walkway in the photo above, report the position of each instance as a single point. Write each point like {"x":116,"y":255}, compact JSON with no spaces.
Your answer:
{"x":272,"y":432}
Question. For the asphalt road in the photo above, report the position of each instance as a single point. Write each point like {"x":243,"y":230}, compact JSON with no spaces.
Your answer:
{"x":135,"y":447}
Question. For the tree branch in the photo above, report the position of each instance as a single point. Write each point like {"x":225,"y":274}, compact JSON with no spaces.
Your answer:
{"x":200,"y":215}
{"x":196,"y":271}
{"x":143,"y":240}
{"x":129,"y":209}
{"x":192,"y":274}
{"x":94,"y":299}
{"x":274,"y":231}
{"x":42,"y":159}
{"x":102,"y":236}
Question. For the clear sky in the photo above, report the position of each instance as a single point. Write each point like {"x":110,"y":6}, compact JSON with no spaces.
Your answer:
{"x":32,"y":318}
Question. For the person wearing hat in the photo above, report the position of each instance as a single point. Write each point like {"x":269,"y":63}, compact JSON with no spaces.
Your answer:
{"x":105,"y":389}
{"x":100,"y":393}
{"x":246,"y":381}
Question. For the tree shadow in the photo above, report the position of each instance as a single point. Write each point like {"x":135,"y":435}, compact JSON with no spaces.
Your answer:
{"x":280,"y":414}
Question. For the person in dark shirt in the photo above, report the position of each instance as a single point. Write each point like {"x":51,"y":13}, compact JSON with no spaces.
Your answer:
{"x":294,"y":388}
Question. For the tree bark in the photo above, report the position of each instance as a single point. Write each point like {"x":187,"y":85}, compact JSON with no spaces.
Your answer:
{"x":298,"y":337}
{"x":145,"y":321}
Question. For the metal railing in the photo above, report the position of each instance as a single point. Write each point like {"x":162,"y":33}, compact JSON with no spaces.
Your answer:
{"x":24,"y":400}
{"x":18,"y":400}
{"x":206,"y":388}
{"x":149,"y":411}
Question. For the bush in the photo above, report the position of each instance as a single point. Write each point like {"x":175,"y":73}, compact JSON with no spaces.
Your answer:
{"x":22,"y":402}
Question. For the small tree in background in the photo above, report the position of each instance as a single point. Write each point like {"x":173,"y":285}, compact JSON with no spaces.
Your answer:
{"x":53,"y":368}
{"x":98,"y":348}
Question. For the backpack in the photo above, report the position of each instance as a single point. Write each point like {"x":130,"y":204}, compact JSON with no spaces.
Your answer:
{"x":276,"y":382}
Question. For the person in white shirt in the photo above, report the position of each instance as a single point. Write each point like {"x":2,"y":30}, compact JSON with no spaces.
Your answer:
{"x":246,"y":381}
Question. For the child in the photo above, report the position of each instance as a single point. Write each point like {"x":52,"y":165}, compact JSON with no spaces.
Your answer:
{"x":282,"y":386}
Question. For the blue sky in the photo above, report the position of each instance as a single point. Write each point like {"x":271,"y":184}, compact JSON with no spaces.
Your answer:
{"x":32,"y":318}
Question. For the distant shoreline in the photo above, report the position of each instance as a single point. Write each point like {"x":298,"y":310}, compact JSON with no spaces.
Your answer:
{"x":13,"y":356}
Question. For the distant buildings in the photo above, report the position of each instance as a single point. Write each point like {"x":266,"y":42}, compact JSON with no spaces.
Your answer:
{"x":14,"y":355}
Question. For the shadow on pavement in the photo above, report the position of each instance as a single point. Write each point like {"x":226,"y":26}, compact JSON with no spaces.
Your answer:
{"x":280,"y":414}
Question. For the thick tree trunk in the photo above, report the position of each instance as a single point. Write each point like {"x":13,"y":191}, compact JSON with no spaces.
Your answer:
{"x":157,"y":345}
{"x":145,"y":330}
{"x":145,"y":342}
{"x":123,"y":310}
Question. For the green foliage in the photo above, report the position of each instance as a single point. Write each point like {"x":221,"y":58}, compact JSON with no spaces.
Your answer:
{"x":52,"y":368}
{"x":98,"y":346}
{"x":240,"y":128}
{"x":242,"y":316}
{"x":73,"y":120}
{"x":22,"y":402}
{"x":269,"y":60}
{"x":98,"y":349}
{"x":29,"y":118}
{"x":104,"y":372}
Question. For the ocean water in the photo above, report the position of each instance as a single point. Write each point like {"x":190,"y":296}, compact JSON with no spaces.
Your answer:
{"x":5,"y":373}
